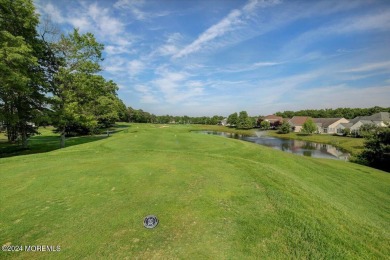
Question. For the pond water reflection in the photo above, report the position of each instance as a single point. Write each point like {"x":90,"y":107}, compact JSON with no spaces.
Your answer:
{"x":305,"y":148}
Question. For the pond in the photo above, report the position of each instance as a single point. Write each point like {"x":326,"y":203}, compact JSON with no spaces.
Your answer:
{"x":304,"y":148}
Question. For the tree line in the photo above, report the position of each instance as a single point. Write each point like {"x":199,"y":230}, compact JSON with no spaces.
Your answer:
{"x":348,"y":113}
{"x":140,"y":116}
{"x":50,"y":78}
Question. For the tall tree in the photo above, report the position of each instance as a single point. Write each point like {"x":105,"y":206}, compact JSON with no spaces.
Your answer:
{"x":74,"y":83}
{"x":22,"y":68}
{"x":244,"y":121}
{"x":309,"y":127}
{"x":232,"y":119}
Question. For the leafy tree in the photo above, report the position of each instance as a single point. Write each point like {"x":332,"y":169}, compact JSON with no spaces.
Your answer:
{"x":346,"y":131}
{"x":376,"y":151}
{"x":284,"y":128}
{"x":367,"y":130}
{"x":309,"y":127}
{"x":232,"y":119}
{"x":75,"y":81}
{"x":338,"y":112}
{"x":22,"y":68}
{"x":244,"y":121}
{"x":265,"y":124}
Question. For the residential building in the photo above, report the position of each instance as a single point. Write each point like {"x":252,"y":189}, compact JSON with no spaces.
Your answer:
{"x":328,"y":125}
{"x":378,"y":119}
{"x":297,"y":122}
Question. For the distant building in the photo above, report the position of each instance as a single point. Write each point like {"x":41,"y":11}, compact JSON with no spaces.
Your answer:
{"x":223,"y":122}
{"x":379,"y":119}
{"x":297,"y":122}
{"x":328,"y":125}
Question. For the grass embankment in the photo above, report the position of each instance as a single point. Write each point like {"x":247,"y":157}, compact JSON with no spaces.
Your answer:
{"x":215,"y":198}
{"x":349,"y":144}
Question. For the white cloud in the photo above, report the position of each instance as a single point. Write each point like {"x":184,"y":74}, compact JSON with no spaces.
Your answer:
{"x":377,"y":21}
{"x":250,"y":67}
{"x":177,"y":87}
{"x":385,"y":65}
{"x":91,"y":17}
{"x":118,"y":65}
{"x":266,"y":64}
{"x":135,"y":67}
{"x":147,"y":95}
{"x":214,"y":31}
{"x":170,"y":47}
{"x":231,"y":22}
{"x":117,"y":49}
{"x":356,"y":24}
{"x":135,"y":7}
{"x":53,"y":12}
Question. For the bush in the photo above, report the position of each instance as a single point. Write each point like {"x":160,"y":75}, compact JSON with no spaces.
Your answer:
{"x":376,"y":151}
{"x":309,"y":127}
{"x":284,"y":128}
{"x":346,"y":132}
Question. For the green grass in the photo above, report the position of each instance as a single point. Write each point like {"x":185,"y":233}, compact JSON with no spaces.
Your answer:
{"x":216,"y":198}
{"x":349,"y":144}
{"x":227,"y":129}
{"x":46,"y":141}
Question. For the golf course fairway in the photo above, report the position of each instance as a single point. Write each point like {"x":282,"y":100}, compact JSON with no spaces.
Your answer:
{"x":214,"y":197}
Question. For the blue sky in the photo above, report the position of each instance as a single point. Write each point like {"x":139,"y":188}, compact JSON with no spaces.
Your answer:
{"x":218,"y":57}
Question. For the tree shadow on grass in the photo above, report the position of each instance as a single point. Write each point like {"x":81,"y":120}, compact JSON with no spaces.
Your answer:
{"x":43,"y":144}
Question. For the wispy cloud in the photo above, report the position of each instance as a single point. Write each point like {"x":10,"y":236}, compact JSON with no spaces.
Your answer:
{"x":382,"y":66}
{"x":266,"y":64}
{"x":177,"y":87}
{"x":231,"y":22}
{"x":245,"y":67}
{"x":92,"y":17}
{"x":136,"y":9}
{"x":135,"y":67}
{"x":147,"y":95}
{"x":52,"y":11}
{"x":170,"y":47}
{"x":378,"y":21}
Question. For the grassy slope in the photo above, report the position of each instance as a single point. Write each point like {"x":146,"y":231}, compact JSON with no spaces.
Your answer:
{"x":350,"y":144}
{"x":215,"y":198}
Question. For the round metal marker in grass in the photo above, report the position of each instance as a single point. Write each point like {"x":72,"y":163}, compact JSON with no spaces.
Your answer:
{"x":150,"y":221}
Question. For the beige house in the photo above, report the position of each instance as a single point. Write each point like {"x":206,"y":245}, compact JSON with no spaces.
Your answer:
{"x":297,"y":122}
{"x":328,"y":125}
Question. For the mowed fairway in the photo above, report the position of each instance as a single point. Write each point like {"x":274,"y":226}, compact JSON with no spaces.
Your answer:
{"x":216,"y":198}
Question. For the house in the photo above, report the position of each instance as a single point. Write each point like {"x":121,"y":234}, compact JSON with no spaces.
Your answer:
{"x":273,"y":119}
{"x":223,"y":122}
{"x":378,"y":119}
{"x":297,"y":122}
{"x":353,"y":125}
{"x":329,"y":125}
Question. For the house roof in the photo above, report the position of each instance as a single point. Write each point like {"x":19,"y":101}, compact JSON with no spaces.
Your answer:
{"x":273,"y":118}
{"x":298,"y":120}
{"x":381,"y":116}
{"x":347,"y":125}
{"x":325,"y":122}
